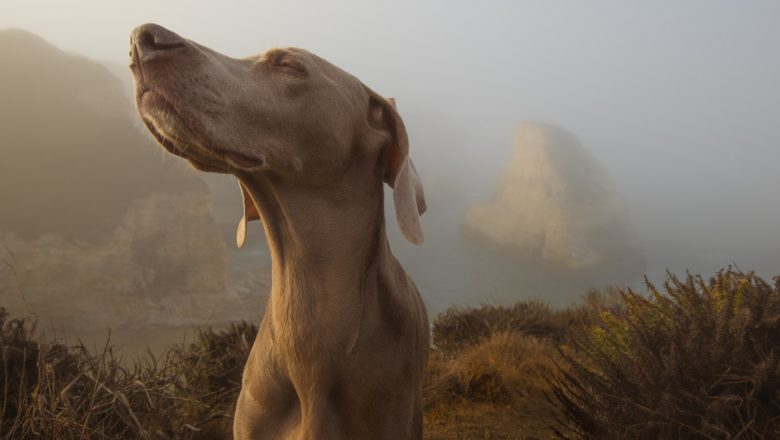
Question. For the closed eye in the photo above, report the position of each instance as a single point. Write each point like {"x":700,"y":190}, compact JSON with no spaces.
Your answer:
{"x":286,"y":62}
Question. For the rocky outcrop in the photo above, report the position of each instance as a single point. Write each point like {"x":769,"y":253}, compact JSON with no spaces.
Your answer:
{"x":163,"y":266}
{"x":73,"y":157}
{"x":98,"y":228}
{"x":555,"y":205}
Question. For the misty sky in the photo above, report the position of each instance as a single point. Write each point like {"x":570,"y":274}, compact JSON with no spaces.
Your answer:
{"x":678,"y":99}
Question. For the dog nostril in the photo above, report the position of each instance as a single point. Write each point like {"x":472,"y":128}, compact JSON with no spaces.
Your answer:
{"x":146,"y":40}
{"x":151,"y":39}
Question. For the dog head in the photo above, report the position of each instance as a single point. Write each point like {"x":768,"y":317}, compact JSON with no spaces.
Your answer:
{"x":286,"y":113}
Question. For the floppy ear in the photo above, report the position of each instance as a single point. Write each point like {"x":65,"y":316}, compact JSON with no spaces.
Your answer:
{"x":400,"y":174}
{"x":250,"y":213}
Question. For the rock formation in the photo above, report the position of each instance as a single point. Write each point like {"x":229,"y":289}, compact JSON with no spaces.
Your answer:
{"x":98,"y":227}
{"x":73,"y":158}
{"x":556,"y":206}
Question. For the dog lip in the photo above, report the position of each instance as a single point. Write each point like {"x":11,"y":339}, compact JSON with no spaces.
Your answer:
{"x":147,"y":105}
{"x":147,"y":98}
{"x":243,"y":161}
{"x":141,"y":90}
{"x":161,"y":138}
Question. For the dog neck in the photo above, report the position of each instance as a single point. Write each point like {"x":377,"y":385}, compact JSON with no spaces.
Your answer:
{"x":326,"y":247}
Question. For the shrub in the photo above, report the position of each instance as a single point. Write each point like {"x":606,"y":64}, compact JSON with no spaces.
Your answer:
{"x":700,"y":360}
{"x":58,"y":392}
{"x":459,"y":328}
{"x":502,"y":369}
{"x":214,"y":362}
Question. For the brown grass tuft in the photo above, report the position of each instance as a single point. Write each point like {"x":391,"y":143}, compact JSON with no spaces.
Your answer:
{"x":56,"y":392}
{"x":458,"y":328}
{"x":503,"y":369}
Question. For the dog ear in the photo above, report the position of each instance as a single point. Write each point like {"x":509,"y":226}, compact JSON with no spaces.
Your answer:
{"x":250,"y":213}
{"x":400,"y":173}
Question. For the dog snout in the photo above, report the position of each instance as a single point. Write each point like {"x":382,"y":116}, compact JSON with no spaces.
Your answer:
{"x":150,"y":41}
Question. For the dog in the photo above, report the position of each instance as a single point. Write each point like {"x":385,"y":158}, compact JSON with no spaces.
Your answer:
{"x":342,"y":346}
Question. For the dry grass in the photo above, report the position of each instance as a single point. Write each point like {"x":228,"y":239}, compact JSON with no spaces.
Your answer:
{"x":58,"y":392}
{"x":458,"y":328}
{"x":503,"y":369}
{"x":54,"y":391}
{"x":494,"y":389}
{"x":699,"y":360}
{"x":488,"y":375}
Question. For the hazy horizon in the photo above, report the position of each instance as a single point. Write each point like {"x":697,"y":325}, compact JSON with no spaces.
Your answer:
{"x":679,"y":101}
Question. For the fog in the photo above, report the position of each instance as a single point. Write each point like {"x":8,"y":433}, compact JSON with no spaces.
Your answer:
{"x":679,"y":101}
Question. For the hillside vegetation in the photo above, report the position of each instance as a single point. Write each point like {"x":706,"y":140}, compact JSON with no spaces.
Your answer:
{"x":698,"y":359}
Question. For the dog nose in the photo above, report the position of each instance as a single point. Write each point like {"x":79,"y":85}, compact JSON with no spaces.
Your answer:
{"x":150,"y":40}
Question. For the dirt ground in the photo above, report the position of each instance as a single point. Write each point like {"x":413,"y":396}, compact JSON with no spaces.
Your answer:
{"x":470,"y":421}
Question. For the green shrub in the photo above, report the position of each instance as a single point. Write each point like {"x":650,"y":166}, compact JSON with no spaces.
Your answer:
{"x":700,"y":360}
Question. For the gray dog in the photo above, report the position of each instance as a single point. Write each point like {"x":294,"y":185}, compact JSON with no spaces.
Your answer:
{"x":343,"y":343}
